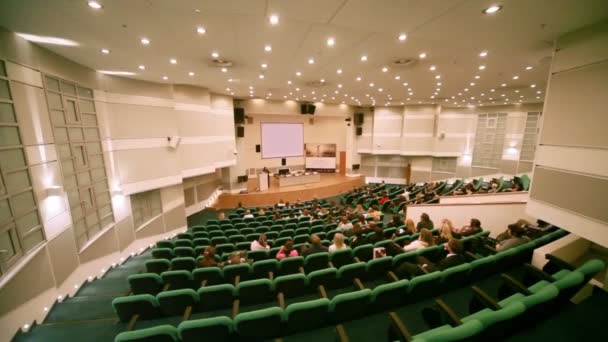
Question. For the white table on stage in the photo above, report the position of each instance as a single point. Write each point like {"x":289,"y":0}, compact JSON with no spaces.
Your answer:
{"x":290,"y":180}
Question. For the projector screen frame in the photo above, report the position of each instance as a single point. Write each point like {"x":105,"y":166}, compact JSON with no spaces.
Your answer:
{"x":302,"y":154}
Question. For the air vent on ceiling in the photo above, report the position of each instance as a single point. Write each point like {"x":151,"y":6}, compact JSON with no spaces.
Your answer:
{"x":401,"y":62}
{"x":221,"y":63}
{"x":316,"y":84}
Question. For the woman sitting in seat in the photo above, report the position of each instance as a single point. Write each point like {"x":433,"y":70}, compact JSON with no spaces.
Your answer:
{"x":208,"y":259}
{"x":445,"y":234}
{"x":338,"y":243}
{"x":287,"y":250}
{"x":424,"y":240}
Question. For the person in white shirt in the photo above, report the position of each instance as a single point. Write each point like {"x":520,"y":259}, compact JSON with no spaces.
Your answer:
{"x":260,"y":243}
{"x":425,"y":240}
{"x":344,"y":224}
{"x":248,"y":214}
{"x":338,"y":243}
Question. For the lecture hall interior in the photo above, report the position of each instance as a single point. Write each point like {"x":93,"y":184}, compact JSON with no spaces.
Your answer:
{"x":282,"y":170}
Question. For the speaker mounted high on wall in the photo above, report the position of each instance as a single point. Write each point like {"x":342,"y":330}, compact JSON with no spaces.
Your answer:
{"x":239,"y":115}
{"x":240,"y":132}
{"x":258,"y":148}
{"x":283,"y":161}
{"x":307,"y":108}
{"x":358,"y":119}
{"x":359,"y":130}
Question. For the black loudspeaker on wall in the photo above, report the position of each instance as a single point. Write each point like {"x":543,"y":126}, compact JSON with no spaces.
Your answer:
{"x":283,"y":161}
{"x":356,"y":167}
{"x":307,"y":108}
{"x":358,"y":119}
{"x":240,"y":132}
{"x":257,"y":148}
{"x":359,"y":130}
{"x":239,"y":115}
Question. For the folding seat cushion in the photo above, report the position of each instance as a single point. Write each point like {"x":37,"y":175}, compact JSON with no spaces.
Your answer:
{"x":258,"y":255}
{"x":174,"y":302}
{"x":183,"y":263}
{"x":230,"y":232}
{"x":187,"y":236}
{"x":251,"y":236}
{"x":160,"y":333}
{"x":212,"y":275}
{"x":347,"y":306}
{"x":211,"y":222}
{"x":164,"y":244}
{"x":177,"y":279}
{"x":389,"y":295}
{"x":218,"y":240}
{"x":315,"y":262}
{"x":262,"y":229}
{"x":232,"y":271}
{"x":199,"y":235}
{"x":216,"y":297}
{"x":162,"y":253}
{"x":216,"y":233}
{"x":292,"y":285}
{"x":183,"y":243}
{"x":255,"y":291}
{"x":341,"y":257}
{"x":481,"y":268}
{"x":262,"y":268}
{"x":377,"y":268}
{"x":144,"y":305}
{"x":348,"y":273}
{"x":286,"y":233}
{"x":224,"y":248}
{"x":328,"y":277}
{"x":157,"y":266}
{"x":455,"y":277}
{"x":305,"y":316}
{"x":237,"y":238}
{"x":142,"y":283}
{"x":217,"y":329}
{"x":243,"y":245}
{"x":239,"y":225}
{"x":364,"y":252}
{"x":302,"y":231}
{"x":317,"y":229}
{"x":259,"y":324}
{"x":290,"y":265}
{"x":301,"y":238}
{"x":423,"y":287}
{"x":183,"y":252}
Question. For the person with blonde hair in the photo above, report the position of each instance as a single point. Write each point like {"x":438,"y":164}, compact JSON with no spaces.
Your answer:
{"x":445,"y":234}
{"x":424,"y":240}
{"x":338,"y":243}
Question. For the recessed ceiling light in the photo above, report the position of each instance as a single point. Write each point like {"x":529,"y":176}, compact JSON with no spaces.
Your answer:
{"x":224,"y":69}
{"x":397,"y":77}
{"x":384,"y":69}
{"x":529,"y":67}
{"x":230,"y":80}
{"x":439,"y":84}
{"x":105,"y":51}
{"x":173,"y":61}
{"x":145,"y":41}
{"x":532,"y":85}
{"x":273,"y":19}
{"x":492,"y":9}
{"x":402,"y":36}
{"x":339,"y":71}
{"x":95,"y":5}
{"x":515,"y":77}
{"x":405,"y":84}
{"x":322,"y":80}
{"x":433,"y":68}
{"x":339,"y":86}
{"x":482,"y":67}
{"x":472,"y":84}
{"x":298,"y":73}
{"x":438,"y":77}
{"x":503,"y":85}
{"x":165,"y":78}
{"x":331,"y":41}
{"x":311,"y":61}
{"x":483,"y":53}
{"x":371,"y":85}
{"x":538,"y":92}
{"x":215,"y":55}
{"x":358,"y":78}
{"x":191,"y":73}
{"x":264,"y":65}
{"x":201,"y":30}
{"x":142,"y":67}
{"x":422,"y":55}
{"x":261,"y":76}
{"x":288,"y":82}
{"x":476,"y":77}
{"x":363,"y":58}
{"x":250,"y":87}
{"x":492,"y":90}
{"x":197,"y":10}
{"x":517,"y":91}
{"x":267,"y":47}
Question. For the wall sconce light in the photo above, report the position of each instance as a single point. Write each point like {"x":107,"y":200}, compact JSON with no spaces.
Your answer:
{"x":54,"y":190}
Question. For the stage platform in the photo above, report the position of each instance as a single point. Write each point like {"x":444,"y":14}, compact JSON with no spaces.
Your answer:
{"x":330,"y":185}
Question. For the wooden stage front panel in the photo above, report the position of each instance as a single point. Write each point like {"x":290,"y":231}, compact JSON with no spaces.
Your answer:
{"x":330,"y":185}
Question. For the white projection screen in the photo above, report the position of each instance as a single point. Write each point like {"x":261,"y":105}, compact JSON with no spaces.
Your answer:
{"x":280,"y":140}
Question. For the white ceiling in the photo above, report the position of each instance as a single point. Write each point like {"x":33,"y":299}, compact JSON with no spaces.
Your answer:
{"x":452,"y":32}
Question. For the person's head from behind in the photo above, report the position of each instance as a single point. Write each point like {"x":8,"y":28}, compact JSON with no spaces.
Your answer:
{"x":396,"y":219}
{"x":248,"y":211}
{"x":454,"y":246}
{"x":359,"y":207}
{"x":372,"y":225}
{"x":475,"y":223}
{"x":339,"y":239}
{"x":426,"y":236}
{"x":209,"y":251}
{"x":378,"y":231}
{"x":344,"y":219}
{"x":424,"y":217}
{"x":494,"y":186}
{"x":315,"y":240}
{"x":516,"y":230}
{"x":288,"y":246}
{"x":221,"y":215}
{"x":262,"y":240}
{"x":411,"y":226}
{"x":357,"y":228}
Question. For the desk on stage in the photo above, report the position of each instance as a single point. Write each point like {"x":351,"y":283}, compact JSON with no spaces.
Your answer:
{"x":290,"y":180}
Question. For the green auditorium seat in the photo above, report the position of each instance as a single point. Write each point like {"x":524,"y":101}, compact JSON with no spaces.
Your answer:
{"x":302,"y":231}
{"x":164,"y":244}
{"x":272,"y":235}
{"x":161,"y":333}
{"x":142,"y":283}
{"x":447,"y":333}
{"x":144,"y":305}
{"x":347,"y":306}
{"x":328,"y":277}
{"x":237,"y":238}
{"x":177,"y":279}
{"x":183,"y":263}
{"x":199,"y":235}
{"x":183,"y":243}
{"x":259,"y":324}
{"x":272,"y":253}
{"x":216,"y":297}
{"x":185,"y":236}
{"x":305,"y":316}
{"x":405,"y":257}
{"x":455,"y":277}
{"x":235,"y":273}
{"x":290,"y":265}
{"x":388,"y":232}
{"x":265,"y":268}
{"x":496,"y":322}
{"x":157,"y":266}
{"x":292,"y":285}
{"x":216,"y":329}
{"x":212,"y":222}
{"x":262,"y":229}
{"x":240,"y":225}
{"x":482,"y":267}
{"x":250,"y":236}
{"x":348,"y":273}
{"x":317,"y":229}
{"x":218,"y":240}
{"x":224,"y":248}
{"x":341,"y":257}
{"x":377,"y":268}
{"x":364,"y":252}
{"x":183,"y":252}
{"x":423,"y":286}
{"x":321,"y":235}
{"x":175,"y":302}
{"x":258,"y":255}
{"x":389,"y":295}
{"x":230,"y":232}
{"x":300,"y":238}
{"x":316,"y":262}
{"x":242,"y":246}
{"x":207,"y":276}
{"x":286,"y":233}
{"x":291,"y":225}
{"x":198,"y":229}
{"x":253,"y":224}
{"x":255,"y":291}
{"x":304,"y":224}
{"x":162,"y":253}
{"x":329,"y":226}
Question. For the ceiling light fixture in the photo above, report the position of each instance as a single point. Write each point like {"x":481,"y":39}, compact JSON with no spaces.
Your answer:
{"x":529,"y":67}
{"x":339,"y":71}
{"x":433,"y":68}
{"x":173,"y":61}
{"x":47,"y":40}
{"x":261,"y":76}
{"x":142,"y":67}
{"x":165,"y":78}
{"x":492,"y":9}
{"x":438,"y":77}
{"x":402,"y":37}
{"x":358,"y":78}
{"x":503,"y":85}
{"x":95,"y":5}
{"x":288,"y":82}
{"x":267,"y":47}
{"x":384,"y":69}
{"x":191,"y":73}
{"x":264,"y":65}
{"x":331,"y":41}
{"x":116,"y":73}
{"x":145,"y":41}
{"x":422,"y":55}
{"x":311,"y":61}
{"x":483,"y":53}
{"x":215,"y":55}
{"x":532,"y":85}
{"x":516,"y":77}
{"x":273,"y":19}
{"x":105,"y":51}
{"x":298,"y":73}
{"x":397,"y":77}
{"x":363,"y":58}
{"x":224,"y":69}
{"x":482,"y":67}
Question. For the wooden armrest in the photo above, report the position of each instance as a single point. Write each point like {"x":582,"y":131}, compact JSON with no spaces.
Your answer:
{"x":537,"y":273}
{"x":358,"y":283}
{"x":447,"y":312}
{"x":166,"y":287}
{"x":392,"y":276}
{"x":281,"y":298}
{"x":330,"y":264}
{"x":132,"y":322}
{"x":271,"y":276}
{"x":470,"y":256}
{"x":235,"y":308}
{"x":489,"y":249}
{"x":559,"y":262}
{"x":514,"y":284}
{"x":301,"y":269}
{"x":422,"y":269}
{"x":342,"y":336}
{"x":485,"y":299}
{"x":204,"y":283}
{"x":236,"y":280}
{"x":357,"y":259}
{"x":397,"y":327}
{"x":322,"y":291}
{"x":187,"y":313}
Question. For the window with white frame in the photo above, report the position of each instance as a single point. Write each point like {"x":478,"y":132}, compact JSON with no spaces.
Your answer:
{"x":489,"y":140}
{"x":145,"y":206}
{"x":528,"y":145}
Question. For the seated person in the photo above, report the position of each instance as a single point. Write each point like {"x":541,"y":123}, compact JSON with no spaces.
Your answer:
{"x":305,"y":213}
{"x":494,"y":188}
{"x":468,"y":189}
{"x":425,"y":222}
{"x":338,"y":243}
{"x":455,"y":257}
{"x":383,"y":198}
{"x":276,"y":216}
{"x":287,"y":250}
{"x":221,"y":215}
{"x":473,"y":228}
{"x":445,"y":234}
{"x":248,"y":214}
{"x":373,"y":212}
{"x":514,"y":188}
{"x":516,"y":233}
{"x":281,"y":204}
{"x":208,"y":259}
{"x":378,"y":234}
{"x":260,"y":243}
{"x":315,"y":246}
{"x":395,"y":222}
{"x":358,"y":237}
{"x":424,"y":240}
{"x":344,"y":224}
{"x":261,"y":212}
